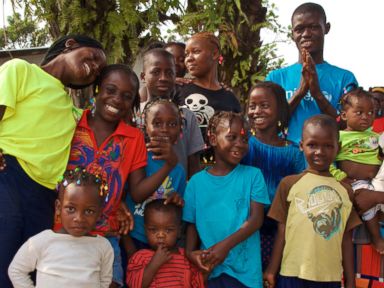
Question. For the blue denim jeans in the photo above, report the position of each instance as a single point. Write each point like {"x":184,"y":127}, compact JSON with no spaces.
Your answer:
{"x":26,"y":208}
{"x":117,"y":273}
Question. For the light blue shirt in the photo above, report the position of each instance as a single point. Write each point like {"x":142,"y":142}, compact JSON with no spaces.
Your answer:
{"x":219,"y":206}
{"x":174,"y":183}
{"x":333,"y":82}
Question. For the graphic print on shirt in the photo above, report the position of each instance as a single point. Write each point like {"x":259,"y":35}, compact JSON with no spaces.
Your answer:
{"x":362,"y":145}
{"x":322,"y":207}
{"x":165,"y":189}
{"x":198,"y":104}
{"x":107,"y":163}
{"x":308,"y":97}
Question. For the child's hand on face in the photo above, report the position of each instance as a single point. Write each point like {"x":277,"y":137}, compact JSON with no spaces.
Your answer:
{"x":2,"y":160}
{"x":162,"y":149}
{"x":161,"y":256}
{"x":175,"y":199}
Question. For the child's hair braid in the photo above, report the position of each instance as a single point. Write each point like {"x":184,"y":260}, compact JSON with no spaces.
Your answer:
{"x":358,"y":92}
{"x":81,"y":177}
{"x":157,"y":101}
{"x":220,"y":116}
{"x":283,"y":111}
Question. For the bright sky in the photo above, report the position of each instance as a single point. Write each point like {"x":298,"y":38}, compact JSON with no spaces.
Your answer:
{"x":355,"y":41}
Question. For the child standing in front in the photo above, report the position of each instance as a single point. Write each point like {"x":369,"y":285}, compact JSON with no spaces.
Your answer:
{"x":313,"y":245}
{"x":70,"y":257}
{"x":162,"y":121}
{"x":205,"y":95}
{"x":269,"y":150}
{"x":104,"y":142}
{"x":224,"y":209}
{"x":163,"y":265}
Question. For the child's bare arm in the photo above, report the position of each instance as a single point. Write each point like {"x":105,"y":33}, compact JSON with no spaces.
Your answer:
{"x":277,"y":254}
{"x":219,"y":251}
{"x":161,"y":256}
{"x":365,"y":199}
{"x":191,"y":248}
{"x":348,"y":260}
{"x":129,"y":245}
{"x":140,"y":186}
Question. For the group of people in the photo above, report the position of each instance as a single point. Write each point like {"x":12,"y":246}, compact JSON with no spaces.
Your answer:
{"x":115,"y":195}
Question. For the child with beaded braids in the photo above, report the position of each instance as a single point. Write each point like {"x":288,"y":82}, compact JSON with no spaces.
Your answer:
{"x":224,"y":209}
{"x":104,"y":142}
{"x":269,"y":150}
{"x":70,"y":257}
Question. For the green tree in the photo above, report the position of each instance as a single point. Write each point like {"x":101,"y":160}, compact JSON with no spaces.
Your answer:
{"x":22,"y":33}
{"x":121,"y":26}
{"x":125,"y":26}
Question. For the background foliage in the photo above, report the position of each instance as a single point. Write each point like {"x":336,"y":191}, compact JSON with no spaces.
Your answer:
{"x":124,"y":27}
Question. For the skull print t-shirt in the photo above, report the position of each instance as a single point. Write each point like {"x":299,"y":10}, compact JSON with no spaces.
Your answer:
{"x":316,"y":211}
{"x":204,"y":103}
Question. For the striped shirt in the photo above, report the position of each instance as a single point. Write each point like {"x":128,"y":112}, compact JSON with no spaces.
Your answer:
{"x":177,"y":272}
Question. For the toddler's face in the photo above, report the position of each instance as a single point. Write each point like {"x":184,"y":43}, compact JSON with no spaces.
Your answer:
{"x":162,"y":229}
{"x":79,"y":209}
{"x":360,"y":114}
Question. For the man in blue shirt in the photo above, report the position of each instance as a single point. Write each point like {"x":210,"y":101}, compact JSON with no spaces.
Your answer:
{"x":312,"y":85}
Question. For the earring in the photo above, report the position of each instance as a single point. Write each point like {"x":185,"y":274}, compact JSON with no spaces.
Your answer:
{"x":279,"y":123}
{"x":93,"y":106}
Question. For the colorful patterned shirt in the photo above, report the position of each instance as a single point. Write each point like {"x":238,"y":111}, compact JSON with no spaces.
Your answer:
{"x":120,"y":154}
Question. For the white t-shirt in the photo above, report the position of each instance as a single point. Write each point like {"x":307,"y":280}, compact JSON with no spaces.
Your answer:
{"x":62,"y":260}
